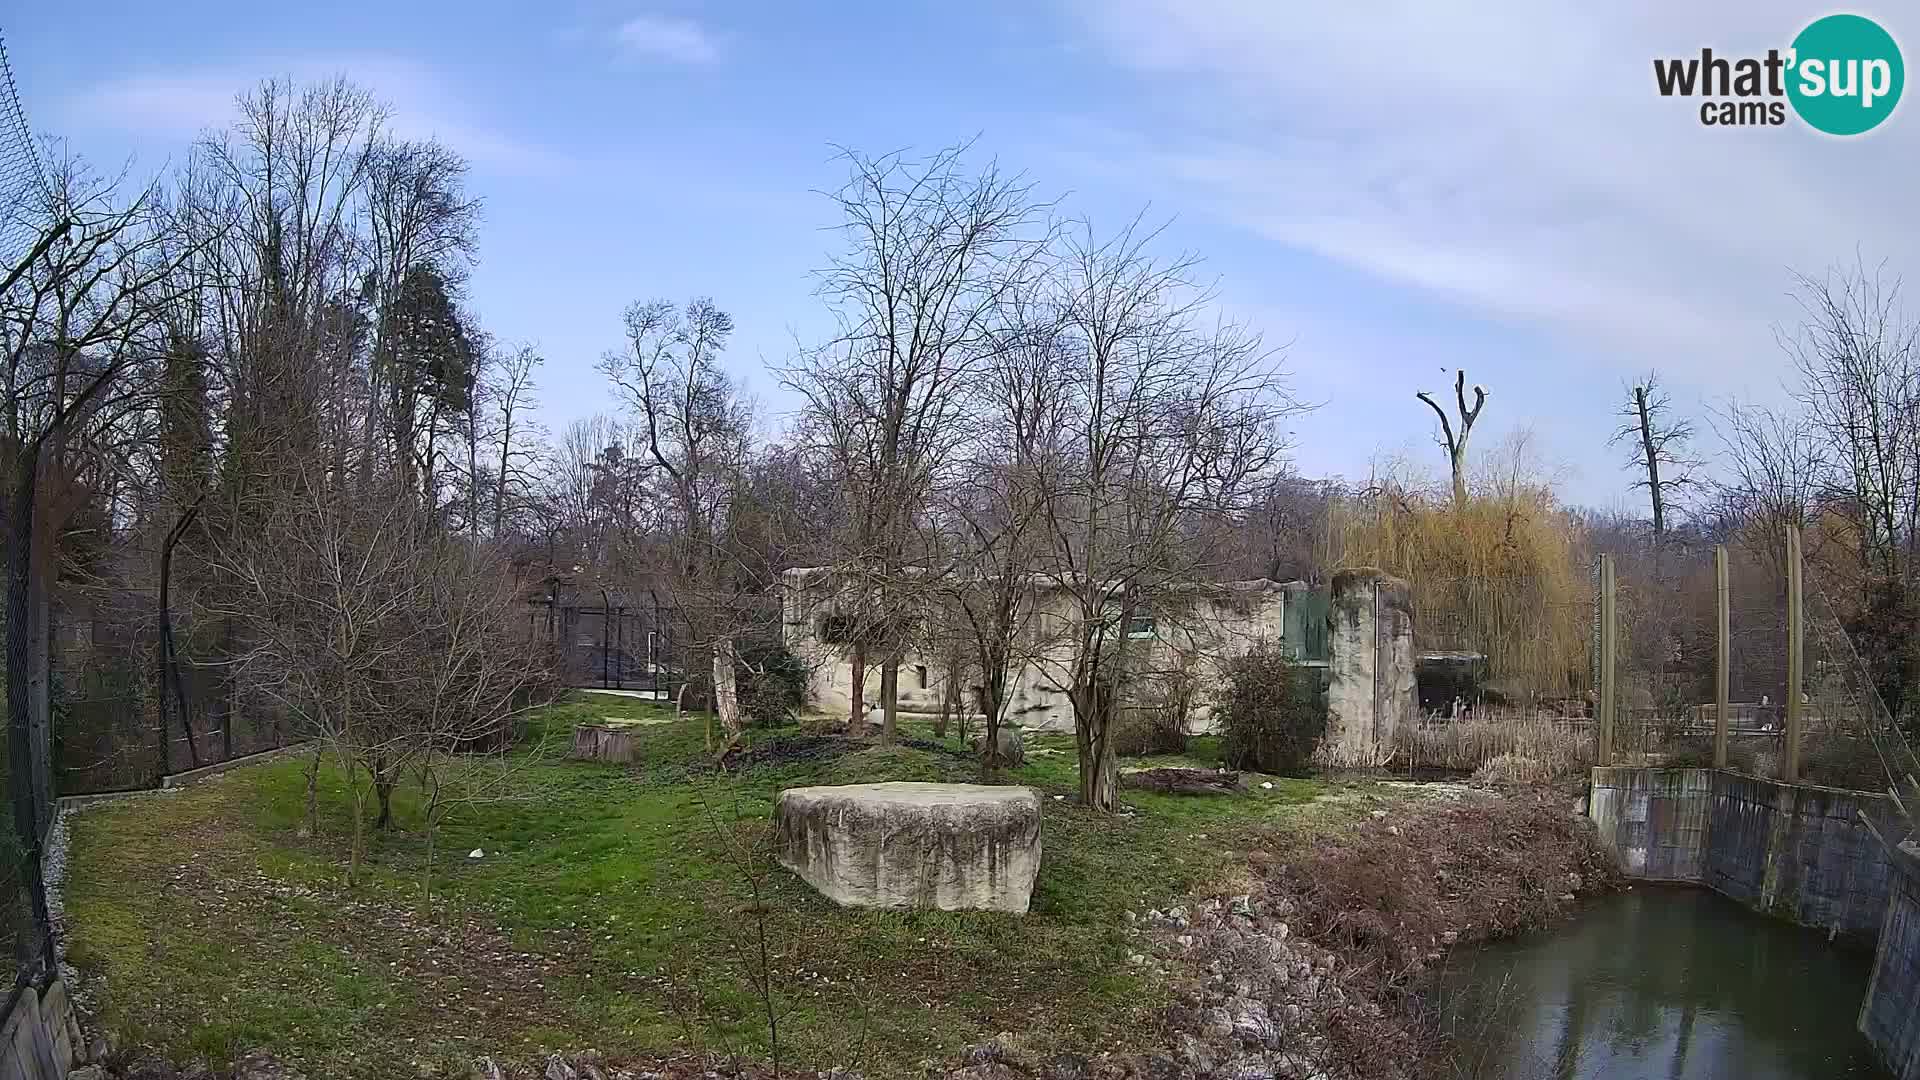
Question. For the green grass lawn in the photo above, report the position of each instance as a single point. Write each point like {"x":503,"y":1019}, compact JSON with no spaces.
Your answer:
{"x":611,"y":910}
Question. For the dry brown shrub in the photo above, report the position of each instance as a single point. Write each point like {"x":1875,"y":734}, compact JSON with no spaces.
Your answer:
{"x":1387,"y":893}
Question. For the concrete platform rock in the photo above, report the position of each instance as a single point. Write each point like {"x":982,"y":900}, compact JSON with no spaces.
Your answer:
{"x":907,"y":845}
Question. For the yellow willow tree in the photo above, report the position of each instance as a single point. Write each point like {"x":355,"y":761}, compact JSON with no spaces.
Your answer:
{"x":1502,"y":572}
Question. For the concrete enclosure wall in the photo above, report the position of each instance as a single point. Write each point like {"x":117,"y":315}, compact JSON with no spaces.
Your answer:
{"x":1654,"y":820}
{"x":1194,"y":629}
{"x":1890,"y":1015}
{"x":1370,"y":684}
{"x":1799,"y":852}
{"x":1790,"y":850}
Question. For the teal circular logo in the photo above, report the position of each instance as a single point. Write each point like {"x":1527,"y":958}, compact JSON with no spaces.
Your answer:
{"x":1846,"y":74}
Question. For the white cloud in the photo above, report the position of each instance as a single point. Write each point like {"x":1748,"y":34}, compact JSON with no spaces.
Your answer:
{"x":660,"y":37}
{"x":180,"y":105}
{"x":1517,"y":160}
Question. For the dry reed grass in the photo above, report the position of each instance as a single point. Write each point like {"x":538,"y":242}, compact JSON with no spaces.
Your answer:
{"x":1555,"y":747}
{"x":1512,"y":769}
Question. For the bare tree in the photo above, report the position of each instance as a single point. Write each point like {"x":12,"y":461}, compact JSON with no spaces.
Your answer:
{"x":696,"y":431}
{"x":1772,"y":466}
{"x":986,"y":520}
{"x":1659,"y":447}
{"x":1857,"y":358}
{"x":1455,"y":443}
{"x":389,"y":639}
{"x":1287,"y":531}
{"x":931,"y":252}
{"x":1166,"y":422}
{"x":513,"y":438}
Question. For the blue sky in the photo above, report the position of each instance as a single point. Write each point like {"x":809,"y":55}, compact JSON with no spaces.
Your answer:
{"x":1388,"y":192}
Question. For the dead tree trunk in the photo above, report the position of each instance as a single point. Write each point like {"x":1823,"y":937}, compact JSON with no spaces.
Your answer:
{"x":1456,"y":444}
{"x":1651,"y":454}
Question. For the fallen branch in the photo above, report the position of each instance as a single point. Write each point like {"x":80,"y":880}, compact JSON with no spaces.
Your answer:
{"x":1185,"y":781}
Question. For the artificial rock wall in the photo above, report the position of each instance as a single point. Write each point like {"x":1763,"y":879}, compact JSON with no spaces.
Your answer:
{"x":907,"y":845}
{"x":1370,"y":687}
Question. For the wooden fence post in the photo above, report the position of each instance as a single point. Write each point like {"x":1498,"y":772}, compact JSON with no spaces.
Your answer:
{"x":1722,"y":657}
{"x":1609,"y":644}
{"x":1796,"y":659}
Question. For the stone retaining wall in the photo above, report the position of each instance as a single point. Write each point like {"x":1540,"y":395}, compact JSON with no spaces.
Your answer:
{"x":40,"y":1039}
{"x":1799,"y":852}
{"x":1654,"y":820}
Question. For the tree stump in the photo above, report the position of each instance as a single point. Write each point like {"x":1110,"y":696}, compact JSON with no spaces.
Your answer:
{"x":586,"y":742}
{"x":602,"y":742}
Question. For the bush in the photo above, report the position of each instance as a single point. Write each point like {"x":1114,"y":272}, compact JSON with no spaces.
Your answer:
{"x":1273,"y":712}
{"x":1158,"y":724}
{"x":1145,"y":731}
{"x":1836,"y":760}
{"x":772,"y":683}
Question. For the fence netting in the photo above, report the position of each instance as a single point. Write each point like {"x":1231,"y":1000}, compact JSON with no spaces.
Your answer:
{"x":1667,"y":658}
{"x":26,"y":774}
{"x":22,"y":181}
{"x":110,"y":732}
{"x":1510,"y":674}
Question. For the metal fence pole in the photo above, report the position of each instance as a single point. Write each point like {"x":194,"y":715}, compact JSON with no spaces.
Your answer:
{"x":1722,"y":656}
{"x":606,"y":610}
{"x":1796,"y":658}
{"x":1609,"y":643}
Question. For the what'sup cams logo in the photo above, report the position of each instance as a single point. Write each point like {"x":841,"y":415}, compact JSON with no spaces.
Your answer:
{"x":1842,"y":75}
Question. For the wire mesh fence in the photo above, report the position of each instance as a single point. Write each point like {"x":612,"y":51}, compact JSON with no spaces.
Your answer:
{"x":27,"y":776}
{"x":1513,"y":679}
{"x":1800,"y":699}
{"x":22,"y":181}
{"x":108,"y":730}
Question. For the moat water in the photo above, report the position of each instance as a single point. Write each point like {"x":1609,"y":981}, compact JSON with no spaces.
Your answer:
{"x":1661,"y":983}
